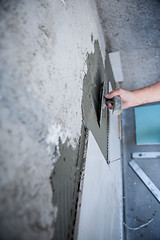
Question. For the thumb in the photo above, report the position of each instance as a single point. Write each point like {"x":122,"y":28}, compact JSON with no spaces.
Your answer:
{"x":113,"y":94}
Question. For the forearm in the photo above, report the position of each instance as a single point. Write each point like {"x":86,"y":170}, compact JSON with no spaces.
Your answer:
{"x":147,"y":95}
{"x":137,"y":97}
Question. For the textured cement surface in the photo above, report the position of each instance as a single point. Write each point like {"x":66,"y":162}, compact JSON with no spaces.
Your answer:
{"x":65,"y":180}
{"x":91,"y":102}
{"x":43,"y":49}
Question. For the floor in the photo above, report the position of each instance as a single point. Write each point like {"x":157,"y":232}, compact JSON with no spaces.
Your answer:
{"x":140,"y":206}
{"x":133,"y":28}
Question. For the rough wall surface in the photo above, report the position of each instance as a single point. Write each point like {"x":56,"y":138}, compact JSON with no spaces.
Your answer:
{"x":43,"y":48}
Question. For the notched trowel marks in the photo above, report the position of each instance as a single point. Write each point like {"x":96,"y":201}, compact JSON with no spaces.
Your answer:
{"x":91,"y":104}
{"x":92,"y":84}
{"x":65,"y":181}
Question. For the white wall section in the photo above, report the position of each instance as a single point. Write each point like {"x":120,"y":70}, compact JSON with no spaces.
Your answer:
{"x":101,"y":211}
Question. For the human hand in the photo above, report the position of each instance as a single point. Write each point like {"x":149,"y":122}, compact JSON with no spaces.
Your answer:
{"x":128,"y":98}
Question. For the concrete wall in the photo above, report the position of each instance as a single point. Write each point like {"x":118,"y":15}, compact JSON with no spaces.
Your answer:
{"x":132,"y":27}
{"x":43,"y":48}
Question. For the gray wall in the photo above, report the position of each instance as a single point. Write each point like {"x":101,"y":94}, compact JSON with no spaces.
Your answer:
{"x":132,"y":27}
{"x":43,"y":48}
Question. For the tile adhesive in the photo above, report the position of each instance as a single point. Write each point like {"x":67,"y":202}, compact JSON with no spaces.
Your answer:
{"x":96,"y":84}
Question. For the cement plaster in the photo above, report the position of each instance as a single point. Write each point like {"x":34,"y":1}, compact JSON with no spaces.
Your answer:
{"x":43,"y":48}
{"x":91,"y":102}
